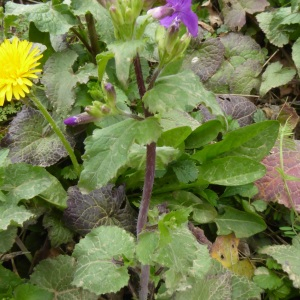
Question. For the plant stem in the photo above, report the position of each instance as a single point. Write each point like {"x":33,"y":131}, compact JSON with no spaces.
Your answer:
{"x":83,"y":40}
{"x":92,"y":34}
{"x":24,"y":249}
{"x":148,"y":182}
{"x":148,"y":185}
{"x":58,"y":132}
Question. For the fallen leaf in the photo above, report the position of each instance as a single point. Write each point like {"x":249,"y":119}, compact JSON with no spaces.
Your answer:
{"x":225,"y":250}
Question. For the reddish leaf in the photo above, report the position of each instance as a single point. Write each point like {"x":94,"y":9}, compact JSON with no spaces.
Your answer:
{"x":271,"y":186}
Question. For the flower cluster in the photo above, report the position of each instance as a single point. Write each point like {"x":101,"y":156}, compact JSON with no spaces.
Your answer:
{"x":18,"y":61}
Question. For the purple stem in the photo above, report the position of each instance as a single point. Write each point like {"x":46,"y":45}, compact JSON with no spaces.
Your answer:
{"x":148,"y":182}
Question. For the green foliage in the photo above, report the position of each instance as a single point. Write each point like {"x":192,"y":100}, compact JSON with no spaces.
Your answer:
{"x":55,"y":275}
{"x":159,"y":131}
{"x":274,"y":76}
{"x":9,"y":109}
{"x":110,"y":146}
{"x":56,"y":19}
{"x":286,"y":256}
{"x":61,"y":92}
{"x":243,"y":224}
{"x":95,"y":253}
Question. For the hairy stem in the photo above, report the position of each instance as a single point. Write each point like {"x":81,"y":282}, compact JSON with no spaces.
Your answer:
{"x":82,"y":39}
{"x":92,"y":34}
{"x":58,"y":132}
{"x":148,"y":182}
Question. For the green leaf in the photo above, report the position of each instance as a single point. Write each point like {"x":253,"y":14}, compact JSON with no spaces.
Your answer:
{"x":243,"y":224}
{"x":13,"y":215}
{"x":245,"y":77}
{"x":186,"y":170}
{"x":274,"y":24}
{"x":124,"y":53}
{"x":61,"y":93}
{"x":32,"y":292}
{"x":55,"y":19}
{"x":102,"y":60}
{"x":203,"y":134}
{"x":55,"y":194}
{"x":204,"y":213}
{"x":266,"y":279}
{"x":253,"y":141}
{"x":105,"y":206}
{"x":36,"y":36}
{"x":164,"y":155}
{"x":176,"y":118}
{"x":58,"y":233}
{"x":31,"y":139}
{"x":8,"y":281}
{"x":174,"y":137}
{"x":182,"y":91}
{"x":23,"y":181}
{"x":194,"y":259}
{"x":287,"y":256}
{"x":296,"y":55}
{"x":275,"y":75}
{"x":55,"y":275}
{"x":104,"y":26}
{"x":107,"y":149}
{"x":247,"y":191}
{"x":7,"y":238}
{"x":96,"y":254}
{"x":220,"y":284}
{"x":147,"y":245}
{"x":231,"y":171}
{"x":3,"y":157}
{"x":260,"y":205}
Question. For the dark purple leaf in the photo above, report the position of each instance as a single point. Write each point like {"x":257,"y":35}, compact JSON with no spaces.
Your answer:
{"x":238,"y":107}
{"x":207,"y":59}
{"x":31,"y":139}
{"x":105,"y":206}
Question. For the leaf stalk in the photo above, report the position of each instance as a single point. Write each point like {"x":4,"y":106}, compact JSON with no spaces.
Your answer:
{"x":58,"y":132}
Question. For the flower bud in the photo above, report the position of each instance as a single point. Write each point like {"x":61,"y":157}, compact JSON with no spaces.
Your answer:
{"x":129,"y":17}
{"x":110,"y":93}
{"x":160,"y":12}
{"x":172,"y":37}
{"x":82,"y":118}
{"x":182,"y":45}
{"x":95,"y":109}
{"x":116,"y":16}
{"x":137,"y":6}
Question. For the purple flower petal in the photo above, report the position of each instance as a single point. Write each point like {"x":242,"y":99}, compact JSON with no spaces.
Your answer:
{"x":71,"y":121}
{"x":190,"y":20}
{"x":167,"y":21}
{"x":181,"y":11}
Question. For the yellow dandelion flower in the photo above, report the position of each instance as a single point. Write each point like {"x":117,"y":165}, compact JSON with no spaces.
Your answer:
{"x":18,"y":60}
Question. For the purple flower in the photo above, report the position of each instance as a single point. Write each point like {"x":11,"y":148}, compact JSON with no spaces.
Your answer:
{"x":82,"y":118}
{"x":175,"y":11}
